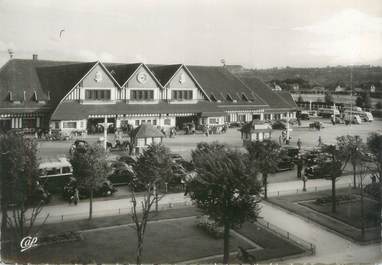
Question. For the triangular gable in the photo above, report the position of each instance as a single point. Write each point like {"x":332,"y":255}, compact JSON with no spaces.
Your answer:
{"x":98,"y":63}
{"x":147,"y":70}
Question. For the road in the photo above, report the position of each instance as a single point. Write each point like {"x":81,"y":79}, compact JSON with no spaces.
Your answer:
{"x":65,"y":212}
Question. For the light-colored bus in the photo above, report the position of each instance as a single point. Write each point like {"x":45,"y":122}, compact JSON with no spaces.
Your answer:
{"x":364,"y":115}
{"x":55,"y":173}
{"x":328,"y":112}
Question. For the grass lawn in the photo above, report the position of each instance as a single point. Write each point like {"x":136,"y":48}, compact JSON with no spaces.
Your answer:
{"x":348,"y":213}
{"x":166,"y":241}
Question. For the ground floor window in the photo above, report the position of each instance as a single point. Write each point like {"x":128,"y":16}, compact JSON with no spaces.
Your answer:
{"x":167,"y":121}
{"x":214,"y":121}
{"x":69,"y":125}
{"x":29,"y":123}
{"x":241,"y":117}
{"x":136,"y":122}
{"x":267,"y":116}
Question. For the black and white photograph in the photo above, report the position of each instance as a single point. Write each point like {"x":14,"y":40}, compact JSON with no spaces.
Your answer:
{"x":190,"y":131}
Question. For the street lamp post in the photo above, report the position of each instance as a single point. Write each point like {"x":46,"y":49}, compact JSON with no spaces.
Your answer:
{"x":304,"y":180}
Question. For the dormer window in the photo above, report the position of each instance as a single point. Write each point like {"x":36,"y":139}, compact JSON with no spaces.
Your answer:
{"x":35,"y":98}
{"x":10,"y":96}
{"x":230,"y":98}
{"x":244,"y":97}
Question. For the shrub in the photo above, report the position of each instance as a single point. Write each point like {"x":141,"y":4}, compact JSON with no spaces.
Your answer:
{"x":328,"y":199}
{"x":373,"y":190}
{"x":210,"y":227}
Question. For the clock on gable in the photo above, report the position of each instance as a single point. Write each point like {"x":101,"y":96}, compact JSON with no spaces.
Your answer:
{"x":142,"y":77}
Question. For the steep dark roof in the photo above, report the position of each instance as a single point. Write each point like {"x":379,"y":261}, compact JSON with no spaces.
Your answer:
{"x":274,"y":100}
{"x":220,"y":84}
{"x":19,"y":77}
{"x":164,"y":72}
{"x":287,"y":97}
{"x":122,"y":72}
{"x":60,"y":79}
{"x":146,"y":130}
{"x":75,"y":110}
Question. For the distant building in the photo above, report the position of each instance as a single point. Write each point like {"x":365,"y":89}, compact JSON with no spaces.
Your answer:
{"x":339,"y":89}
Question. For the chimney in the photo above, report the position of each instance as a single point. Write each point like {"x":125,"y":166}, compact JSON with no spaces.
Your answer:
{"x":35,"y":57}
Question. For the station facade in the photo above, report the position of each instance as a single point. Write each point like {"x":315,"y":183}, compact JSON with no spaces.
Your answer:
{"x":78,"y":96}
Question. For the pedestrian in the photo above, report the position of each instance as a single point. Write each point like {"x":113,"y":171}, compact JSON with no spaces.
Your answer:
{"x":333,"y":119}
{"x":299,"y":143}
{"x":299,"y":121}
{"x":299,"y":166}
{"x":319,"y":140}
{"x":280,"y":139}
{"x":76,"y":196}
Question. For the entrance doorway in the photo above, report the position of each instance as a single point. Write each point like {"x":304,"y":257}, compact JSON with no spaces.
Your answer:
{"x":94,"y":126}
{"x":256,"y":117}
{"x":181,"y":122}
{"x":5,"y":125}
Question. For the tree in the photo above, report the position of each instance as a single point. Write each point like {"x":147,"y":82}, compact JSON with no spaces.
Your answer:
{"x":153,"y":169}
{"x":328,"y":97}
{"x":364,"y":100}
{"x":20,"y":202}
{"x":264,"y":156}
{"x":333,"y":162}
{"x":374,"y":144}
{"x":353,"y":147}
{"x":225,"y":188}
{"x":378,"y":105}
{"x":90,"y":169}
{"x":362,"y":174}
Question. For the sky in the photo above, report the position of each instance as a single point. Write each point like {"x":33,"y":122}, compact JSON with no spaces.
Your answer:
{"x":252,"y":33}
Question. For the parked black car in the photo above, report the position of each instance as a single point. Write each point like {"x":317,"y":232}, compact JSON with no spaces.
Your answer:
{"x":286,"y":163}
{"x":319,"y":170}
{"x":104,"y":190}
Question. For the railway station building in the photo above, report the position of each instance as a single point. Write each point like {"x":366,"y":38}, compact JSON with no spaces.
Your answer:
{"x":76,"y":96}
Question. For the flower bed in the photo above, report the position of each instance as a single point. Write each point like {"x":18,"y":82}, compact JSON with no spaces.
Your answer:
{"x":210,"y":227}
{"x":339,"y":199}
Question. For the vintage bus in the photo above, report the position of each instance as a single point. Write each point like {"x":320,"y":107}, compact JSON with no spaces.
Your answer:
{"x":328,"y":112}
{"x":364,"y":115}
{"x":55,"y":173}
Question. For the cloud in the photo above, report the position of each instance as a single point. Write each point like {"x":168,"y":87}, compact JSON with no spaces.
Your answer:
{"x":347,"y":22}
{"x":4,"y":46}
{"x":347,"y":37}
{"x":88,"y":55}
